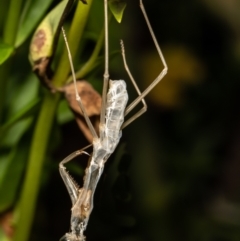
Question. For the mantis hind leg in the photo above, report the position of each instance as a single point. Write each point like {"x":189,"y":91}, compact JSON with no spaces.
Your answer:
{"x":141,"y":96}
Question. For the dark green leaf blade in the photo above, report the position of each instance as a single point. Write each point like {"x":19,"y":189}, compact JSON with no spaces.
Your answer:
{"x":25,"y":112}
{"x":5,"y":52}
{"x":11,"y":175}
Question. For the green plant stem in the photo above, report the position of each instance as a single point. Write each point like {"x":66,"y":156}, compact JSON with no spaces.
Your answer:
{"x":36,"y":159}
{"x":10,"y":30}
{"x":90,"y":64}
{"x":76,"y":30}
{"x":25,"y":211}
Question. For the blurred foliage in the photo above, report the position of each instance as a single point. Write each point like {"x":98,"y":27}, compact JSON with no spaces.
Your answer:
{"x":175,"y":176}
{"x":117,"y":8}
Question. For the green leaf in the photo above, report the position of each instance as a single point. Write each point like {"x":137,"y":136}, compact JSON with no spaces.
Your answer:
{"x":83,"y":72}
{"x":16,"y":131}
{"x":25,"y":112}
{"x":3,"y":167}
{"x":64,"y":113}
{"x":45,"y":37}
{"x":21,"y":94}
{"x":11,"y":173}
{"x":33,"y":11}
{"x":3,"y":236}
{"x":117,"y":8}
{"x":5,"y":52}
{"x":22,"y":104}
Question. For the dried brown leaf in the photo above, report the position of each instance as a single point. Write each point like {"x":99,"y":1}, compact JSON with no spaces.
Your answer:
{"x":91,"y":101}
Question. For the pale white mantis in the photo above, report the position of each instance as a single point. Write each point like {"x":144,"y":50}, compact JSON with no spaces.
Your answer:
{"x":113,"y":111}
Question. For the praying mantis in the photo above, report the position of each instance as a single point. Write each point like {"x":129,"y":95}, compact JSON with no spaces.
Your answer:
{"x":113,"y":111}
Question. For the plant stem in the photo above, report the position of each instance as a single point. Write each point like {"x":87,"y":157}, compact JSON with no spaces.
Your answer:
{"x":10,"y":31}
{"x":33,"y":173}
{"x":26,"y":207}
{"x":90,"y":64}
{"x":74,"y":38}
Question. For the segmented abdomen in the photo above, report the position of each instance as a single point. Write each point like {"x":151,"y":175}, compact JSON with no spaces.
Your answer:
{"x":117,"y":98}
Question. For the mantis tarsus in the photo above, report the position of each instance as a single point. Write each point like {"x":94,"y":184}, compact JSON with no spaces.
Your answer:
{"x":113,"y":111}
